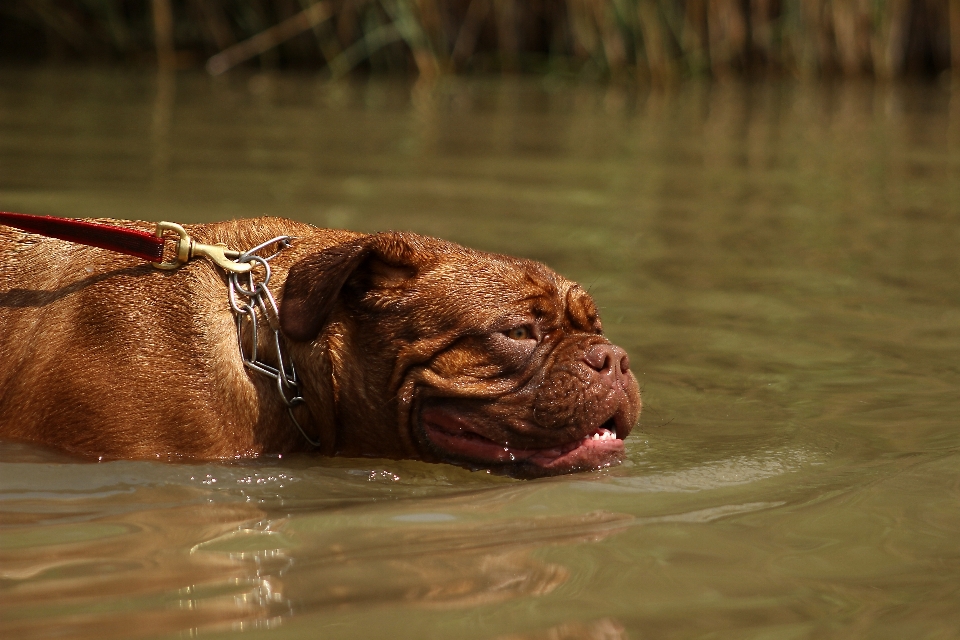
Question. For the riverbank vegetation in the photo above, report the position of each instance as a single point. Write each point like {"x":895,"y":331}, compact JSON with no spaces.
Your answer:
{"x":654,"y":41}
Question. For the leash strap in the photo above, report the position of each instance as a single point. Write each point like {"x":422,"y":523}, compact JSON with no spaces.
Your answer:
{"x":132,"y":242}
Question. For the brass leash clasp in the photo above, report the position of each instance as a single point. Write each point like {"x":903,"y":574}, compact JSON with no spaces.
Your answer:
{"x":187,"y":248}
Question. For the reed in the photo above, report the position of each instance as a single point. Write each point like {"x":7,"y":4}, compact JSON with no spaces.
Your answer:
{"x":656,"y":41}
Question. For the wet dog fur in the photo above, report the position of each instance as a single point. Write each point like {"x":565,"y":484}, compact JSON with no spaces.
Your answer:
{"x":406,"y":347}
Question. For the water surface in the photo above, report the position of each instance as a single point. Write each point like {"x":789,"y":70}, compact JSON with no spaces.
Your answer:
{"x":780,"y":261}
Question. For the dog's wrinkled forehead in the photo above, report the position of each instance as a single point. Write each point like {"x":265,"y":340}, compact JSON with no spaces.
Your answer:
{"x":495,"y":291}
{"x":427,"y":284}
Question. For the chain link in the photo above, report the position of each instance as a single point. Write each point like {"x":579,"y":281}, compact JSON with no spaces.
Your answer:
{"x":246,"y":296}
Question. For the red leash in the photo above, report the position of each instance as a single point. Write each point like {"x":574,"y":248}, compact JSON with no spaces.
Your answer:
{"x":132,"y":242}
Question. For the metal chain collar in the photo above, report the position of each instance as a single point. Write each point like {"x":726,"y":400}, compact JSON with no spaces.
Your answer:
{"x":246,"y":295}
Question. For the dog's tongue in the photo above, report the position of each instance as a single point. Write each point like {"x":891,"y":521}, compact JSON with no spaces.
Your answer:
{"x":454,"y":435}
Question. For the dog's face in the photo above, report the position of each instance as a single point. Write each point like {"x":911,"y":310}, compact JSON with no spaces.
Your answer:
{"x":443,"y":353}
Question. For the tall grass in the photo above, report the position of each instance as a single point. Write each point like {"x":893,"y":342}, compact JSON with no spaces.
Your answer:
{"x":655,"y":41}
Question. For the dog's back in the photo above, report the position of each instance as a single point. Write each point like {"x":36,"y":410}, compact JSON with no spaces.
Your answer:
{"x":102,"y":352}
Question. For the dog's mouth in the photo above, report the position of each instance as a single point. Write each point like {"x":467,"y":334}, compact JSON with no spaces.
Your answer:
{"x":457,"y":437}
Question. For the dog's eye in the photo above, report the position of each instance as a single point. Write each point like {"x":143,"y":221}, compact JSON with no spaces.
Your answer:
{"x":519,"y":333}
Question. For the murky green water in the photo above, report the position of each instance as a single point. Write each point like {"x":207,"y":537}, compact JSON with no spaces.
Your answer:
{"x":781,"y":262}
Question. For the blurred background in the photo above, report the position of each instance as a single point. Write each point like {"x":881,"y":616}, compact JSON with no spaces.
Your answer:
{"x":762,"y":196}
{"x":656,"y":41}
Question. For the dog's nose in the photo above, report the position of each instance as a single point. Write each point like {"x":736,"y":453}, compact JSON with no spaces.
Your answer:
{"x":607,"y":359}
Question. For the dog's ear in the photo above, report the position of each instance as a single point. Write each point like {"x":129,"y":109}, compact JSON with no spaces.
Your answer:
{"x":314,"y":283}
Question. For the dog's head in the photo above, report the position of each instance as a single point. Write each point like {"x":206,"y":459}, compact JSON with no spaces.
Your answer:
{"x":438,"y":352}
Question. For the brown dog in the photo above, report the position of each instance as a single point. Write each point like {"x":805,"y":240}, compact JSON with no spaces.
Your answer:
{"x":405,"y":347}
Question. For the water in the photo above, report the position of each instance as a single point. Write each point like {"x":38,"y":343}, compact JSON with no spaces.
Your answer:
{"x":779,"y":260}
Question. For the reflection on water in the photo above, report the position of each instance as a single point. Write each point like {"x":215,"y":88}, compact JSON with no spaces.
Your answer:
{"x":780,"y":260}
{"x":603,"y":629}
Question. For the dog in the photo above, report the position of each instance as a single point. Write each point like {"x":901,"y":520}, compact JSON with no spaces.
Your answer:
{"x":404,"y":346}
